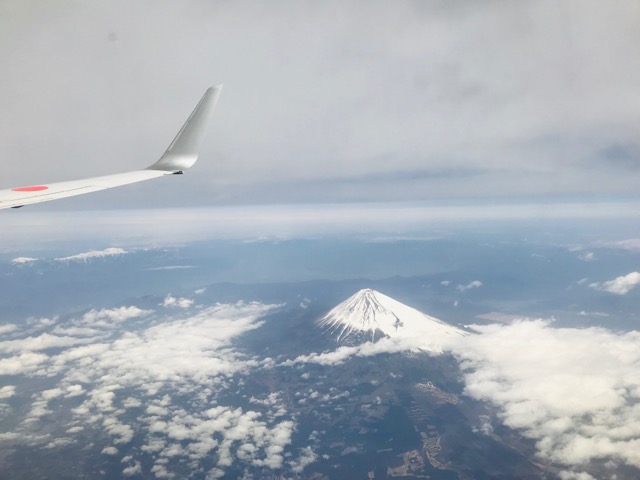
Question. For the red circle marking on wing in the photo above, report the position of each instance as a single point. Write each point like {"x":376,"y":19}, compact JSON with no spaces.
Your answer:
{"x":36,"y":188}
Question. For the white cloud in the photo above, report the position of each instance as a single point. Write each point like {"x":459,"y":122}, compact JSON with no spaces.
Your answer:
{"x":156,"y":410}
{"x":576,"y":476}
{"x":24,"y":363}
{"x":170,"y":267}
{"x":51,"y":393}
{"x":628,"y":244}
{"x":135,"y":469}
{"x":9,"y":437}
{"x":170,"y":301}
{"x":469,"y":286}
{"x":7,"y":391}
{"x":367,"y":349}
{"x":41,"y":342}
{"x":131,"y":402}
{"x":620,"y":285}
{"x":276,"y":407}
{"x":60,"y":442}
{"x":574,"y":391}
{"x":304,"y":304}
{"x":39,"y":408}
{"x":182,"y":349}
{"x":121,"y":432}
{"x":110,"y":451}
{"x":83,"y":257}
{"x":106,"y":317}
{"x":77,"y":331}
{"x":307,"y":457}
{"x":74,"y":391}
{"x":223,"y":432}
{"x":500,"y":317}
{"x":588,"y":257}
{"x":160,"y":471}
{"x":584,"y":313}
{"x":21,"y":260}
{"x":7,"y":328}
{"x":42,"y":323}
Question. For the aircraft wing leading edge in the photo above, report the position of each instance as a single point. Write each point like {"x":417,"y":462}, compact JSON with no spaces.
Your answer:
{"x":181,"y":154}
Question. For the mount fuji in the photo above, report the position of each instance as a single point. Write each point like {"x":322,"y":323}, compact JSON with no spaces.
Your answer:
{"x":372,"y":315}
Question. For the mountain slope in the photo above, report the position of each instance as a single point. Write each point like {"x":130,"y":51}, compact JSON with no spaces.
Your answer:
{"x":376,"y":315}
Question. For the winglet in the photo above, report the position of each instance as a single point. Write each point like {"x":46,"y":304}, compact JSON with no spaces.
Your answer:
{"x":183,"y":151}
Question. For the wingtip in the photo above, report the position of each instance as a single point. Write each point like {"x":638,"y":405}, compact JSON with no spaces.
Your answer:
{"x":183,"y":151}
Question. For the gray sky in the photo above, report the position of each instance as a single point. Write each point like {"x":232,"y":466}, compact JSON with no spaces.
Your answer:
{"x":326,"y":101}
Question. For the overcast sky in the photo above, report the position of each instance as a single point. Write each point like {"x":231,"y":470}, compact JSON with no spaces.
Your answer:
{"x":326,"y":101}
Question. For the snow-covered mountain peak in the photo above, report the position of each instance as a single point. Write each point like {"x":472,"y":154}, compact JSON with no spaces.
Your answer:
{"x":372,"y":313}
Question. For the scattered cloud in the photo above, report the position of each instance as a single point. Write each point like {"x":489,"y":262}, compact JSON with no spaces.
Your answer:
{"x":628,"y":244}
{"x":7,"y":328}
{"x":52,"y":393}
{"x":77,"y":331}
{"x":83,"y":257}
{"x":620,"y":285}
{"x":170,"y":267}
{"x":174,"y":302}
{"x":22,"y":260}
{"x":366,"y":349}
{"x":584,"y":313}
{"x":304,"y":304}
{"x":142,"y":366}
{"x":576,"y":476}
{"x":26,"y":362}
{"x":7,"y":391}
{"x":60,"y":442}
{"x":588,"y":257}
{"x":131,"y":470}
{"x":227,"y":433}
{"x":42,"y":342}
{"x":500,"y":317}
{"x":469,"y":286}
{"x":108,"y":317}
{"x":307,"y":457}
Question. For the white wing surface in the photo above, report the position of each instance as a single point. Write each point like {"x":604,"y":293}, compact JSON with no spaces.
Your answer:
{"x":181,"y":154}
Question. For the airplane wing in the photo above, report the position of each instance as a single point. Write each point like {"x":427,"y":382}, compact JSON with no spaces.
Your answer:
{"x":181,"y":154}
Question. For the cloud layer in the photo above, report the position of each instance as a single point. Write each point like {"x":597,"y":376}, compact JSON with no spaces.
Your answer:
{"x":355,"y":101}
{"x":170,"y":226}
{"x":575,"y":391}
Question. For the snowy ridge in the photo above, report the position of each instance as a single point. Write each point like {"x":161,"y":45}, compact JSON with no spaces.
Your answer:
{"x":373,"y":313}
